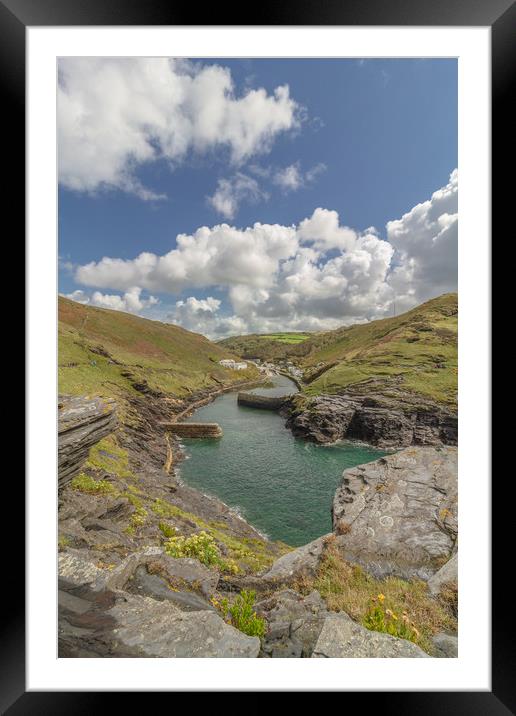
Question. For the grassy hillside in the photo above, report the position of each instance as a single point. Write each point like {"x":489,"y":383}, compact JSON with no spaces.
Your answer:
{"x":266,"y":346}
{"x":416,"y":351}
{"x":108,"y":352}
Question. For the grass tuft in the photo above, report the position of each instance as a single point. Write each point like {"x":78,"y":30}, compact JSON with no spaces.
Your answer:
{"x":347,"y":587}
{"x":87,"y":484}
{"x":241,"y":613}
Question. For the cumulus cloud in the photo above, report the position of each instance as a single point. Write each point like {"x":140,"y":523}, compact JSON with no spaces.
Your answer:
{"x":324,"y":231}
{"x":130,"y":301}
{"x":317,"y":275}
{"x":230,"y":193}
{"x":196,"y":314}
{"x":116,"y":114}
{"x":425,"y":240}
{"x":217,"y":256}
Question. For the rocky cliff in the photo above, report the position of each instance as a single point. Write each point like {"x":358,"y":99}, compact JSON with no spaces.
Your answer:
{"x":396,"y":419}
{"x":82,"y":422}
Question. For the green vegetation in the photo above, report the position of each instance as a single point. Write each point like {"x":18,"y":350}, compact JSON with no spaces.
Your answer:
{"x":63,"y":542}
{"x":292,"y":338}
{"x":114,"y":353}
{"x":381,"y":618}
{"x":241,"y":613}
{"x":248,"y":553}
{"x":108,"y":456}
{"x":88,"y":484}
{"x":267,"y":347}
{"x":415,"y":351}
{"x":166,"y":529}
{"x":392,"y":605}
{"x":203,"y":547}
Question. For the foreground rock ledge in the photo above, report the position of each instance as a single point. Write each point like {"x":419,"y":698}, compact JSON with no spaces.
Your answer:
{"x":98,"y":616}
{"x":341,"y":637}
{"x":398,"y":515}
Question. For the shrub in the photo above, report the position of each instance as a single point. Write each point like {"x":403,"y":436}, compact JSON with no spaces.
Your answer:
{"x":138,"y":518}
{"x":86,"y":483}
{"x":167,"y":529}
{"x":202,"y":546}
{"x":241,"y":614}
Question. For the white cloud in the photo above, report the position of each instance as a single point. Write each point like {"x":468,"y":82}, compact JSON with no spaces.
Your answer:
{"x":291,"y":178}
{"x":314,"y":276}
{"x":425,"y":240}
{"x":230,"y":193}
{"x":78,"y":296}
{"x":217,"y":256}
{"x":131,"y":300}
{"x":324,"y":230}
{"x":115,"y":114}
{"x":195,"y":314}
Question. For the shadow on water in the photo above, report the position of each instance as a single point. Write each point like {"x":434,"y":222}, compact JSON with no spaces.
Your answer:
{"x":281,"y":484}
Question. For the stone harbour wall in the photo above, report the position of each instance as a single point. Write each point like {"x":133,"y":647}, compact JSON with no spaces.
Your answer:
{"x":194,"y":430}
{"x":261,"y":401}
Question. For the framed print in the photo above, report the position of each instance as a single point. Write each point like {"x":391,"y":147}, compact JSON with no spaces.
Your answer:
{"x":259,"y":351}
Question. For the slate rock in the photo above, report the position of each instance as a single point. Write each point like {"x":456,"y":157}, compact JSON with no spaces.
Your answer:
{"x":446,"y":646}
{"x":365,"y":412}
{"x":301,"y":560}
{"x":341,"y":637}
{"x":77,"y":570}
{"x":82,"y":422}
{"x":160,"y":629}
{"x":448,"y":573}
{"x":398,"y":515}
{"x":152,"y":585}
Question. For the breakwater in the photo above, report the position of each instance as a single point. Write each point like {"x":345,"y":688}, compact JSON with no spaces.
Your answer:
{"x":194,"y":430}
{"x":264,"y":402}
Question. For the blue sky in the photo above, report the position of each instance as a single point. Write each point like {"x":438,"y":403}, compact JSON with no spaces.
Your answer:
{"x":370,"y":140}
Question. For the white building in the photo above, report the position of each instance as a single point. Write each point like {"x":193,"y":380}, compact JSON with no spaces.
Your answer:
{"x":234,"y":365}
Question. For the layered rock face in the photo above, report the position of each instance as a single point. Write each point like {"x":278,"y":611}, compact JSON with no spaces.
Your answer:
{"x":124,"y":615}
{"x":82,"y":422}
{"x":376,"y":419}
{"x":398,"y":514}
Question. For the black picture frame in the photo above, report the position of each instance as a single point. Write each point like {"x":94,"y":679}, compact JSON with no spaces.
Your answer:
{"x":500,"y":15}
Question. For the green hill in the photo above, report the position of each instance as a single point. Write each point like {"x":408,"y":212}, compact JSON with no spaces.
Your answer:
{"x":415,"y":351}
{"x":266,"y":346}
{"x":112,"y":353}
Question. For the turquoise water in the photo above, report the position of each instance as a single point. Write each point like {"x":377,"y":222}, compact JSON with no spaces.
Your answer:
{"x":282,"y":485}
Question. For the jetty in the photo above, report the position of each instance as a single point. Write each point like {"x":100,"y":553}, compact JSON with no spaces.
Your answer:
{"x":264,"y":402}
{"x":194,"y":430}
